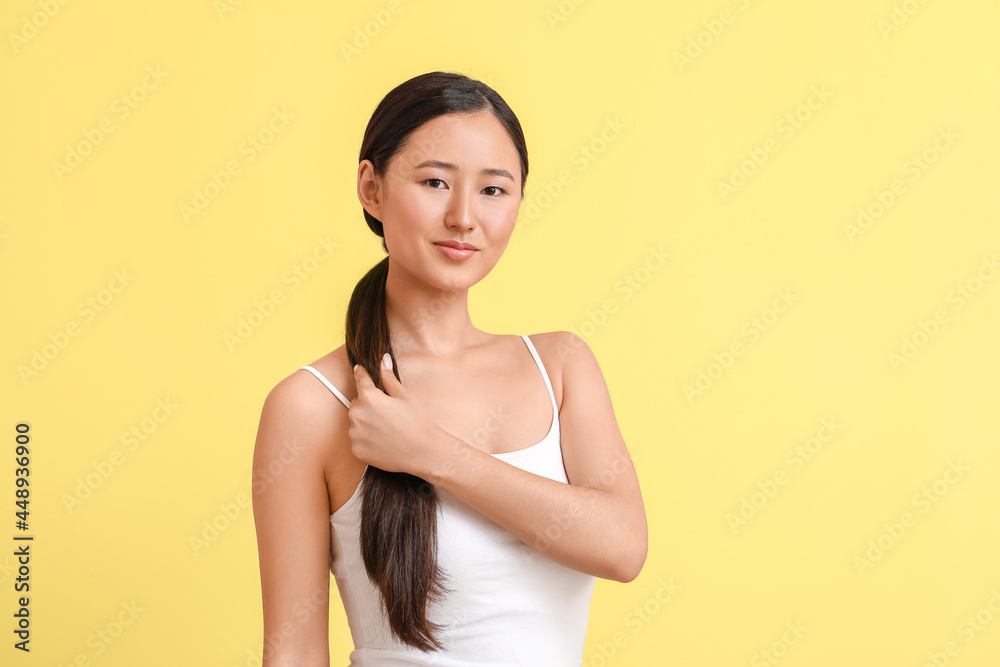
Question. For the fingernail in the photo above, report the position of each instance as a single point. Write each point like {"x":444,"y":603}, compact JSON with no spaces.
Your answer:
{"x":387,"y":361}
{"x":356,"y":367}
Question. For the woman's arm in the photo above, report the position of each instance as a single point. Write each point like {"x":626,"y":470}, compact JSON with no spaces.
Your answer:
{"x":595,"y":524}
{"x":292,"y":515}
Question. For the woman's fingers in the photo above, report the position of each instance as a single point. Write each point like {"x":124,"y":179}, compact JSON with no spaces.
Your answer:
{"x":362,"y":379}
{"x":392,"y":386}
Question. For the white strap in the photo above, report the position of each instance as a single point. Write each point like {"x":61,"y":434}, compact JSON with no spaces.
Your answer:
{"x":343,"y":399}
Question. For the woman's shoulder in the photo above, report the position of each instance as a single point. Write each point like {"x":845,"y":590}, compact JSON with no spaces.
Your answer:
{"x":302,"y":393}
{"x":558,"y":351}
{"x":557,"y":345}
{"x":301,"y":413}
{"x":337,"y":368}
{"x":567,"y":357}
{"x":553,"y":337}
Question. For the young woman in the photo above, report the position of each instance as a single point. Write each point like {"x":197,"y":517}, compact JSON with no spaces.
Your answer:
{"x":464,"y":488}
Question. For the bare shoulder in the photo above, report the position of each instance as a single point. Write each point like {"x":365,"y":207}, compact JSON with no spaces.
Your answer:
{"x":561,"y":348}
{"x":567,"y":358}
{"x":300,"y":392}
{"x":336,"y":368}
{"x":301,"y":408}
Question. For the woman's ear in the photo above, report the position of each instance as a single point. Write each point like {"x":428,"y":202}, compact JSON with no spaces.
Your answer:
{"x":369,"y":189}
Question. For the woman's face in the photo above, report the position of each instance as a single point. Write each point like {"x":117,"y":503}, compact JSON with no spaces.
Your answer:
{"x":456,"y":180}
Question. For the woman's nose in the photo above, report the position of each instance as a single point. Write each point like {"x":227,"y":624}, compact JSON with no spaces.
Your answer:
{"x":460,"y":214}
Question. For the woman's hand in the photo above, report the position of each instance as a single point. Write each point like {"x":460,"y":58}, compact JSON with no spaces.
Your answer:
{"x":390,"y":430}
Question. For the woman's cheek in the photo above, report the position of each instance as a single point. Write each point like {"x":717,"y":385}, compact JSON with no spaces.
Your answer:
{"x":424,"y":211}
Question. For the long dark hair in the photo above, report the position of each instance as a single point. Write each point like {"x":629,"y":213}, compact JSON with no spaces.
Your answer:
{"x":399,"y":510}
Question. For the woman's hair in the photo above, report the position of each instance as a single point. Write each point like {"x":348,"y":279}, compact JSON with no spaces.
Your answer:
{"x":399,"y":510}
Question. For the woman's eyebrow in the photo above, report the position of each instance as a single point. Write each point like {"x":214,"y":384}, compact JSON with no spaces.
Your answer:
{"x":495,"y":171}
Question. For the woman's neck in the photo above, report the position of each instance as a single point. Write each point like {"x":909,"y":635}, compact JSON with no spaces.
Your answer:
{"x":427,"y":320}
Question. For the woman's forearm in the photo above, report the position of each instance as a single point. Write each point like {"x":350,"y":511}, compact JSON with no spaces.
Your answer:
{"x":587,"y":529}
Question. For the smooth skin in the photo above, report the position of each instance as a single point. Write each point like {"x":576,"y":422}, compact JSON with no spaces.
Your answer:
{"x":464,"y":394}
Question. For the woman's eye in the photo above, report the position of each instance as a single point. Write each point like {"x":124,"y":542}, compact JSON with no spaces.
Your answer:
{"x":496,"y":190}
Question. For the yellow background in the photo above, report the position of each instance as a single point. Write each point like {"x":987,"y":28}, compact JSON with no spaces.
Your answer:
{"x":895,"y":76}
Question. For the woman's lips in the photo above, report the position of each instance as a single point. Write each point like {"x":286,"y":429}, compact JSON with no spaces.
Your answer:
{"x":455,"y":253}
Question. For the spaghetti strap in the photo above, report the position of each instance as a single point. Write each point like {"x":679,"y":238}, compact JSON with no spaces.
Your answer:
{"x":541,"y":367}
{"x":329,"y":385}
{"x":524,"y":337}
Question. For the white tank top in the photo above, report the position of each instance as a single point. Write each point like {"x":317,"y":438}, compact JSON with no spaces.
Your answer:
{"x":508,"y":604}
